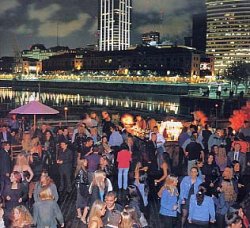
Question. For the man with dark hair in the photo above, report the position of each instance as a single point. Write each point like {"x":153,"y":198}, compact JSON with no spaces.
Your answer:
{"x":106,"y":123}
{"x":5,"y":164}
{"x":237,"y":155}
{"x":111,"y":205}
{"x":64,"y":161}
{"x":5,"y":135}
{"x":115,"y":139}
{"x":193,"y":151}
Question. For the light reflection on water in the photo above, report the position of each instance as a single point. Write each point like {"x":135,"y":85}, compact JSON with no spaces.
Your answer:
{"x":134,"y":101}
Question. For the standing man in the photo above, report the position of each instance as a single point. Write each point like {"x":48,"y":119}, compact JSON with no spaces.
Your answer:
{"x":5,"y":164}
{"x":237,"y":155}
{"x":5,"y":135}
{"x":106,"y":123}
{"x":64,"y":161}
{"x":193,"y":151}
{"x":115,"y":139}
{"x":160,"y":140}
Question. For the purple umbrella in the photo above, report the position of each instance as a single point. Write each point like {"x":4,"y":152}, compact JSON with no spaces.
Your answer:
{"x":34,"y":108}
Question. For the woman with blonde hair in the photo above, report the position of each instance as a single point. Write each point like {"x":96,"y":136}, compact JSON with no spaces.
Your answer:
{"x":36,"y":164}
{"x":226,"y":197}
{"x":26,"y":142}
{"x":22,"y":166}
{"x":21,"y":217}
{"x":169,"y":202}
{"x":97,"y":212}
{"x":46,"y":212}
{"x":82,"y":184}
{"x":99,"y":187}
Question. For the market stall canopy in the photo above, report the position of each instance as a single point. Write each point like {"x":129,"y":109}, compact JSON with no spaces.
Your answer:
{"x":34,"y":108}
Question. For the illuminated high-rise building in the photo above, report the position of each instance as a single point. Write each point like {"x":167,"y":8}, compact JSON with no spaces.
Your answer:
{"x":228,"y":32}
{"x":114,"y":24}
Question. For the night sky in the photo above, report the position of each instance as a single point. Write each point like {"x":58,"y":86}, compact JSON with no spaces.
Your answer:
{"x":25,"y":22}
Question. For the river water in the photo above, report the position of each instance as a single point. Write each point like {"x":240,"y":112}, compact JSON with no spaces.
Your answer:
{"x":141,"y":102}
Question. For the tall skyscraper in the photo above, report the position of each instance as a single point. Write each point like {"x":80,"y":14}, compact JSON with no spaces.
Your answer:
{"x":228,"y":32}
{"x":199,"y":32}
{"x":114,"y":24}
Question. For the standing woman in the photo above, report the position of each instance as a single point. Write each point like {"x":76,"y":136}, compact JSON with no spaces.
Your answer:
{"x":22,"y":166}
{"x":169,"y":202}
{"x":26,"y":142}
{"x":164,"y":169}
{"x":97,"y":212}
{"x":35,"y":160}
{"x":189,"y":186}
{"x":21,"y":218}
{"x":141,"y":181}
{"x":227,"y":195}
{"x":104,"y":147}
{"x":14,"y":194}
{"x":49,"y":152}
{"x":82,"y":184}
{"x":99,"y":187}
{"x":46,"y":212}
{"x":201,"y":209}
{"x":220,"y":157}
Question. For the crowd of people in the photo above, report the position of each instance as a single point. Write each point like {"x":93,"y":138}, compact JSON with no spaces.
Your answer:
{"x":116,"y":174}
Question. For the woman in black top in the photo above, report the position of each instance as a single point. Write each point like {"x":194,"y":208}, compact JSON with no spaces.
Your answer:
{"x":212,"y":174}
{"x":14,"y":194}
{"x":82,"y":185}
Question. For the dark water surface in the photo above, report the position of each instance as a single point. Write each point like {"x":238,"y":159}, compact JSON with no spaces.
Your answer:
{"x":116,"y":101}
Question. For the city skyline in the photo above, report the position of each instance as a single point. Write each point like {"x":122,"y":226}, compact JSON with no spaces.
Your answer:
{"x":26,"y":22}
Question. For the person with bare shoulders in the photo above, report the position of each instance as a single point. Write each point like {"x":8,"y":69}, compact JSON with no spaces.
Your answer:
{"x":97,"y":212}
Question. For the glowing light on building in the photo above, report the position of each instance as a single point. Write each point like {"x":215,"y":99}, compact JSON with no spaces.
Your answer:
{"x":228,"y":32}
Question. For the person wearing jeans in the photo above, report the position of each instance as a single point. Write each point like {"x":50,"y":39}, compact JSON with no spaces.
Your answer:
{"x":123,"y":178}
{"x":123,"y":160}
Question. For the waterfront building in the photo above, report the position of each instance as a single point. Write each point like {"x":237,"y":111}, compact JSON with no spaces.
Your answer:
{"x":228,"y":32}
{"x":31,"y":66}
{"x":64,"y":62}
{"x":114,"y":24}
{"x":150,"y":37}
{"x":40,"y":52}
{"x":163,"y":60}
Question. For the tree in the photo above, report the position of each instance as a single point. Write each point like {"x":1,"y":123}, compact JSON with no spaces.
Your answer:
{"x":239,"y":73}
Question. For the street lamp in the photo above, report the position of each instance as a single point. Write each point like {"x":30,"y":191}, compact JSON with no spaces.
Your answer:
{"x":66,"y":113}
{"x":216,"y":114}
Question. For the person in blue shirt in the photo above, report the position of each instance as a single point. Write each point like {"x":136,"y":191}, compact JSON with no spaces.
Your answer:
{"x":201,"y":209}
{"x":189,"y":186}
{"x":169,"y":202}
